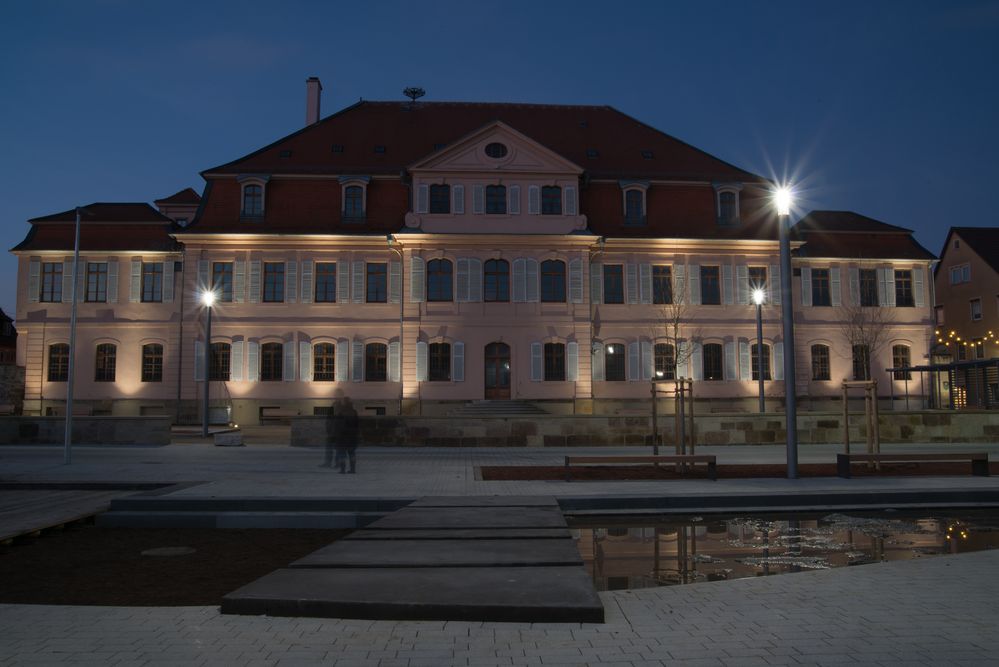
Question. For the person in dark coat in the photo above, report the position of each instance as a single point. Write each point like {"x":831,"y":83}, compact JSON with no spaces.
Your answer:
{"x":346,"y":429}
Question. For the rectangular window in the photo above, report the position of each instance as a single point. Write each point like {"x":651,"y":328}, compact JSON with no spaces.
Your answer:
{"x":614,"y":363}
{"x":554,"y":362}
{"x":976,"y":309}
{"x":978,"y":345}
{"x":152,"y":282}
{"x":665,"y":361}
{"x":613,"y":283}
{"x":152,"y":363}
{"x":551,"y":200}
{"x":273,"y":282}
{"x":938,"y":315}
{"x":900,"y":359}
{"x":634,"y":207}
{"x":51,"y":282}
{"x":755,"y":361}
{"x":820,"y":362}
{"x":710,"y":285}
{"x":662,"y":283}
{"x":440,"y":198}
{"x":325,"y":282}
{"x":219,"y":362}
{"x":821,"y":295}
{"x":903,"y":289}
{"x":104,"y":366}
{"x":222,"y":281}
{"x":758,"y":280}
{"x":377,"y":283}
{"x":97,"y":282}
{"x":58,"y":362}
{"x":496,"y":199}
{"x":713,"y":362}
{"x":271,"y":362}
{"x":375,"y":362}
{"x":439,"y":356}
{"x":869,"y":288}
{"x":960,"y":274}
{"x":861,"y":362}
{"x":323,"y":362}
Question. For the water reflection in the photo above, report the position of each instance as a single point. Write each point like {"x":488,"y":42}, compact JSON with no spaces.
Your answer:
{"x":639,"y":552}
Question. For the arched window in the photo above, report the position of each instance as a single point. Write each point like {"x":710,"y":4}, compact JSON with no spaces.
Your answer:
{"x":353,"y":202}
{"x":440,"y":362}
{"x":727,"y":211}
{"x":220,"y":360}
{"x":754,"y":354}
{"x":439,"y":283}
{"x":375,"y":362}
{"x":665,"y":361}
{"x":58,"y":362}
{"x":554,"y":362}
{"x":551,"y":200}
{"x":634,"y":207}
{"x":152,"y":362}
{"x":104,"y":367}
{"x":553,"y":281}
{"x":323,"y":362}
{"x":496,"y":199}
{"x":820,"y":362}
{"x":496,"y":280}
{"x":901,"y":358}
{"x":253,"y":201}
{"x":614,"y":363}
{"x":440,"y":198}
{"x":713,"y":362}
{"x":271,"y":362}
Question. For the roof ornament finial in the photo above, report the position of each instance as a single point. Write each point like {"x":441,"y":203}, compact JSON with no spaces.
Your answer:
{"x":413,"y":93}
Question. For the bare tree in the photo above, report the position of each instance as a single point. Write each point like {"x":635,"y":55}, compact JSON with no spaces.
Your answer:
{"x":676,"y":327}
{"x":867,"y":327}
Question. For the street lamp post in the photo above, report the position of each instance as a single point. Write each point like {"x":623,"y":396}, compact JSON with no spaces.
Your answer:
{"x":782,"y":200}
{"x":208,"y":300}
{"x":71,"y":371}
{"x":758,"y":297}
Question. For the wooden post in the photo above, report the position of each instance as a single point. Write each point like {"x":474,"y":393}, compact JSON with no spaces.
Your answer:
{"x":846,"y":420}
{"x":877,"y":418}
{"x":691,"y":396}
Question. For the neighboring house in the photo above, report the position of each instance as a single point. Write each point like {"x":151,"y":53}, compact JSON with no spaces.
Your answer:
{"x":8,"y":340}
{"x":415,"y":255}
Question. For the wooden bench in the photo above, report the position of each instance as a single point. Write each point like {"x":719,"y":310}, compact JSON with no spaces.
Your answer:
{"x":979,"y":460}
{"x":277,"y":414}
{"x":709,"y":459}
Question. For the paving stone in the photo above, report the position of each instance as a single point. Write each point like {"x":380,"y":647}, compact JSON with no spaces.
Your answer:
{"x":442,"y":553}
{"x":410,"y":518}
{"x":485,"y":501}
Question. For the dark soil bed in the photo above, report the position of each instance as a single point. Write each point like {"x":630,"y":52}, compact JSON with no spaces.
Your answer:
{"x":87,"y":565}
{"x":626,"y":472}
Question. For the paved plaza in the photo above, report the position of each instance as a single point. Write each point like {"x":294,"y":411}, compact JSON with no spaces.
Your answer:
{"x":928,"y":611}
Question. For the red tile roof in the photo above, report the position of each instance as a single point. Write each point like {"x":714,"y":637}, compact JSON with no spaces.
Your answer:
{"x":185,"y":196}
{"x":109,"y":212}
{"x":104,"y":226}
{"x":411,"y":132}
{"x":850,"y":235}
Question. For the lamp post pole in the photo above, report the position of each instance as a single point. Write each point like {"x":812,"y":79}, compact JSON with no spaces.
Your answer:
{"x":207,"y":299}
{"x":783,"y":201}
{"x":759,"y":346}
{"x":68,"y":436}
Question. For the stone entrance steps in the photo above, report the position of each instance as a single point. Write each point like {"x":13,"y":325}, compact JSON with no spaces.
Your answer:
{"x":462,"y":559}
{"x":497,"y":409}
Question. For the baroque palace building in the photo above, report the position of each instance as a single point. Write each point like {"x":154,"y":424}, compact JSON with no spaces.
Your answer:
{"x":415,"y":255}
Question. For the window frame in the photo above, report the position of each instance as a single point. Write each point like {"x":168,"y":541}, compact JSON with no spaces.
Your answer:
{"x":552,"y":281}
{"x":271,"y":362}
{"x":973,"y":311}
{"x":495,"y":200}
{"x":439,"y":362}
{"x":618,"y":354}
{"x":59,"y":371}
{"x":821,"y":288}
{"x":222,"y":275}
{"x":151,"y":369}
{"x":152,"y":293}
{"x":105,"y":362}
{"x":98,"y":291}
{"x":865,"y":356}
{"x":754,"y":368}
{"x":376,"y":362}
{"x":253,"y":193}
{"x":440,"y":280}
{"x":50,"y":283}
{"x":553,"y":362}
{"x":219,"y":361}
{"x":551,"y":200}
{"x":905,"y":296}
{"x":710,"y":277}
{"x":634,"y":207}
{"x":436,"y":199}
{"x":324,"y":362}
{"x":500,"y":286}
{"x":376,"y":282}
{"x":900,"y":352}
{"x":821,"y":367}
{"x":613,"y":283}
{"x":354,"y":205}
{"x":662,"y":284}
{"x":664,"y":361}
{"x":324,"y":286}
{"x":868,"y":285}
{"x":273,"y":282}
{"x":716,"y":360}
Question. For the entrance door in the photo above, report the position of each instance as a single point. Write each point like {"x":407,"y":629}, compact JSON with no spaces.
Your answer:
{"x":497,"y":371}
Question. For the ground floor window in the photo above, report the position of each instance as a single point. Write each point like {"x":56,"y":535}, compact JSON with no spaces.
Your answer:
{"x":219,"y":362}
{"x":713,"y":362}
{"x":665,"y":361}
{"x":271,"y":362}
{"x":861,"y":362}
{"x":440,"y":362}
{"x":820,"y":362}
{"x":901,"y":358}
{"x":324,"y":362}
{"x":104,"y":366}
{"x":375,"y":362}
{"x":58,"y":362}
{"x":614,"y":362}
{"x":755,"y":358}
{"x":152,"y":362}
{"x":554,"y":362}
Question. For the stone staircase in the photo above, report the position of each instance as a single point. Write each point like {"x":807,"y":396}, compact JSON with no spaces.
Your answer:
{"x":497,"y":409}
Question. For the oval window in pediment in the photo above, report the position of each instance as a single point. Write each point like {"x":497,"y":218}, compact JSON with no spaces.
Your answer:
{"x":496,"y":150}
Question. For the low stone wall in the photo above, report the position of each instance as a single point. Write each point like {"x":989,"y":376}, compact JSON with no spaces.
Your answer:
{"x":711,"y":429}
{"x":86,"y":430}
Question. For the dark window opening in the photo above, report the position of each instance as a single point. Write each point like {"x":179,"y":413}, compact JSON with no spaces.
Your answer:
{"x":496,"y":150}
{"x":713,"y":362}
{"x":375,"y":362}
{"x":440,"y":198}
{"x":222,"y":281}
{"x":152,"y":362}
{"x":271,"y":362}
{"x":551,"y":200}
{"x":219,"y":362}
{"x":51,"y":288}
{"x":273,"y":282}
{"x":152,"y":281}
{"x":496,"y":199}
{"x":869,"y":288}
{"x":614,"y":363}
{"x":496,"y":280}
{"x":634,"y":207}
{"x":58,"y":362}
{"x":553,"y":281}
{"x":665,"y":361}
{"x":820,"y":362}
{"x":820,"y":288}
{"x":754,"y":354}
{"x":662,"y":284}
{"x":440,"y":362}
{"x":253,"y":201}
{"x":900,"y":358}
{"x":323,"y":362}
{"x":613,"y":283}
{"x":104,"y":366}
{"x":554,"y":362}
{"x":325,"y":282}
{"x":97,"y":282}
{"x":861,"y":362}
{"x":377,"y":283}
{"x":710,"y":285}
{"x":439,"y":280}
{"x":353,"y":203}
{"x":904,"y":296}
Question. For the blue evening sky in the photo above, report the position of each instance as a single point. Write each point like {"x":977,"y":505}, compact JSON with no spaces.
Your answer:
{"x":890,"y":109}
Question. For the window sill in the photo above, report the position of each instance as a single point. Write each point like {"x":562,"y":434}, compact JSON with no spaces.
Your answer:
{"x":243,"y":217}
{"x":353,"y":219}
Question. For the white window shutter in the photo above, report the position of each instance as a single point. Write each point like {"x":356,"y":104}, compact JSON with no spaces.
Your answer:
{"x":532,"y":280}
{"x":357,"y":361}
{"x":533,"y":200}
{"x":572,"y":361}
{"x":519,"y":280}
{"x":305,"y":360}
{"x":774,"y":288}
{"x":239,"y":281}
{"x":474,"y":279}
{"x":806,"y":286}
{"x":168,"y":280}
{"x":570,"y":200}
{"x":645,"y":283}
{"x":695,"y":284}
{"x":576,"y":280}
{"x":342,"y":368}
{"x":727,"y":284}
{"x":254,"y":281}
{"x":421,"y":361}
{"x":778,"y":373}
{"x":199,"y":361}
{"x":730,"y":368}
{"x":596,"y":282}
{"x":537,"y":363}
{"x":514,"y":195}
{"x":422,"y":199}
{"x":917,"y":287}
{"x":835,"y":297}
{"x":343,"y":282}
{"x":67,"y":281}
{"x":882,"y":290}
{"x":290,"y":282}
{"x":135,"y":281}
{"x":357,"y":284}
{"x":634,"y":371}
{"x":395,"y":282}
{"x":288,"y":363}
{"x":458,"y":199}
{"x":696,"y":361}
{"x":307,"y":289}
{"x":597,"y":362}
{"x":394,"y":367}
{"x":648,"y":361}
{"x":679,"y":283}
{"x":631,"y":282}
{"x":854,"y":286}
{"x":113,"y":281}
{"x":478,"y":199}
{"x":890,"y":286}
{"x":236,"y":361}
{"x":745,"y":361}
{"x":204,"y":275}
{"x":682,"y":359}
{"x":461,"y":291}
{"x":458,"y":361}
{"x":34,"y":272}
{"x":417,"y":279}
{"x":742,"y":285}
{"x":81,"y":282}
{"x":252,"y":361}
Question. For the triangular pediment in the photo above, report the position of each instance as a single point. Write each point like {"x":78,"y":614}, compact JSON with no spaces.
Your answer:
{"x":519,"y":153}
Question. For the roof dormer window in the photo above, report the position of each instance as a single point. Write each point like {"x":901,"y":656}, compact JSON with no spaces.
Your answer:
{"x":252,"y":198}
{"x":634,"y":202}
{"x":727,"y":203}
{"x":354,"y":196}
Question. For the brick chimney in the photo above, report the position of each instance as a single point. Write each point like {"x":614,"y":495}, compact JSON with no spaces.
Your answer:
{"x":313,"y":91}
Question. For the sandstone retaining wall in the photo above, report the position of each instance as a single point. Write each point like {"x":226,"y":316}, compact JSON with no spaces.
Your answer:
{"x":86,"y":430}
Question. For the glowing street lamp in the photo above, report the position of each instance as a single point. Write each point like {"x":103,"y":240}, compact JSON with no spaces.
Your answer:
{"x":783,"y":200}
{"x":207,"y":300}
{"x":759,"y":296}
